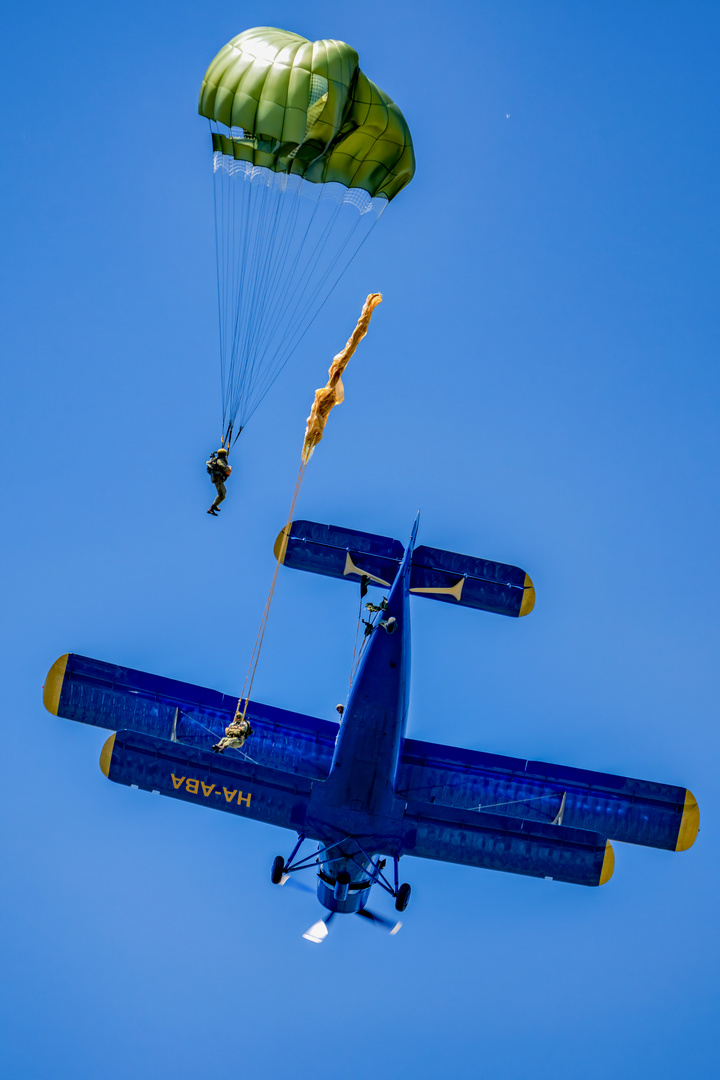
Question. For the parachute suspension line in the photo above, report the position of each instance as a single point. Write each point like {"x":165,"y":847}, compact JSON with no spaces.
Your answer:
{"x":250,"y":677}
{"x":281,"y":244}
{"x":264,"y":223}
{"x":312,"y":315}
{"x":325,"y":399}
{"x":299,"y":293}
{"x":266,"y":309}
{"x":267,"y":228}
{"x":220,"y":303}
{"x":267,"y":286}
{"x":272,"y":265}
{"x":278,"y":245}
{"x":357,"y":632}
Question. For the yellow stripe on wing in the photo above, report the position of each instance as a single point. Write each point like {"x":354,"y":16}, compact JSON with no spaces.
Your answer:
{"x":280,"y":546}
{"x":528,"y":600}
{"x":351,"y":568}
{"x":608,"y":864}
{"x":454,"y":590}
{"x":689,"y":823}
{"x":106,"y":755}
{"x":53,"y":684}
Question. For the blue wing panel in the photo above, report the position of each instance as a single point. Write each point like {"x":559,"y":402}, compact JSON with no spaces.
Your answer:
{"x":622,"y":808}
{"x":470,"y":582}
{"x":339,"y":553}
{"x":619,"y":807}
{"x":498,"y":842}
{"x":114,"y":697}
{"x":199,"y":776}
{"x":436,"y":574}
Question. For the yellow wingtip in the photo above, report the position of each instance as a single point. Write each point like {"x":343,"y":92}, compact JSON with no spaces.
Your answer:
{"x":608,"y":864}
{"x":528,"y":600}
{"x":106,"y":755}
{"x":689,"y":823}
{"x":53,"y":684}
{"x":281,"y":543}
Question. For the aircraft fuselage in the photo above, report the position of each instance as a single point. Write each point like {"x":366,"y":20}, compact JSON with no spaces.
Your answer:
{"x":358,"y":798}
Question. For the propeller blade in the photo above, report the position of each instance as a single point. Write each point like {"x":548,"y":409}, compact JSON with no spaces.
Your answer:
{"x":380,"y":920}
{"x":317,"y":933}
{"x":319,"y":930}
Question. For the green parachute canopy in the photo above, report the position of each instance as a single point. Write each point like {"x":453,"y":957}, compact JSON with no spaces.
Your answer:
{"x":307,"y":153}
{"x":306,"y":108}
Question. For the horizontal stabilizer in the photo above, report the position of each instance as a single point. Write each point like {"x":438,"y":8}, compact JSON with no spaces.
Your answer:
{"x":193,"y":775}
{"x":339,"y":553}
{"x":497,"y":842}
{"x":436,"y":574}
{"x":471,"y":582}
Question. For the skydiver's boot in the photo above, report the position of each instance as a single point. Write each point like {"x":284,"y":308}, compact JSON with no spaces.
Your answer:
{"x":212,"y":511}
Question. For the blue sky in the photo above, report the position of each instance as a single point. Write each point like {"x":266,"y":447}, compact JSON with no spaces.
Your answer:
{"x":541,"y":380}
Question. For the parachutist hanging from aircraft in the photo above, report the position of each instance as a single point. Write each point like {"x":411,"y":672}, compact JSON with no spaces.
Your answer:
{"x":219,"y":470}
{"x":236,"y":733}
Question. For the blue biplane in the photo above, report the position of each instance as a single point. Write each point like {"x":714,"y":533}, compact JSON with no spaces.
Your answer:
{"x":360,"y":790}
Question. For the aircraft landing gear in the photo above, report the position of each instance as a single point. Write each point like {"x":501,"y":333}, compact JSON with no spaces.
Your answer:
{"x":403,"y":897}
{"x":278,"y":869}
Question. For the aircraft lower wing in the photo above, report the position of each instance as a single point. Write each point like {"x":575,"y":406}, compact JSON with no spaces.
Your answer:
{"x":497,"y":842}
{"x":199,"y":776}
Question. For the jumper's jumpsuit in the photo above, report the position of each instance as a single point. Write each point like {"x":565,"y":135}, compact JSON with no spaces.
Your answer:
{"x":235,"y":735}
{"x":220,"y":474}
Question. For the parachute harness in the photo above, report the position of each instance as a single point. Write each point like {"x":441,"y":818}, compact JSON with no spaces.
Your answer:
{"x":325,"y":399}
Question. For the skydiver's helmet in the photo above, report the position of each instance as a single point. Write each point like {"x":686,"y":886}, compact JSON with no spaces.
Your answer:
{"x":222,"y":450}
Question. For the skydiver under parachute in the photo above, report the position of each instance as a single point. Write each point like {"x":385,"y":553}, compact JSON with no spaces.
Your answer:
{"x":219,"y":471}
{"x":306,"y":154}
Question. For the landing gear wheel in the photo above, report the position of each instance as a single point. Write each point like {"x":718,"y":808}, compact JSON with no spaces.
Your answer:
{"x":403,"y":897}
{"x":278,"y":869}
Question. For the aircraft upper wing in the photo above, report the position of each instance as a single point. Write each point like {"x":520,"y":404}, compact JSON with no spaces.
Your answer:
{"x":110,"y":696}
{"x":499,"y":842}
{"x":620,"y":807}
{"x":199,"y":776}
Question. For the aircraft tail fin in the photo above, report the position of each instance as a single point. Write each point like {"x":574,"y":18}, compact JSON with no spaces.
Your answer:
{"x":436,"y":574}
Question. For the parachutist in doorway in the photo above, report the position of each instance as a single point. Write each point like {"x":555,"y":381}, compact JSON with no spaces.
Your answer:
{"x":219,"y":471}
{"x":235,"y":735}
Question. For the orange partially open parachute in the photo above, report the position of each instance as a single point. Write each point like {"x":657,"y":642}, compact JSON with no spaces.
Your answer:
{"x":333,"y":393}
